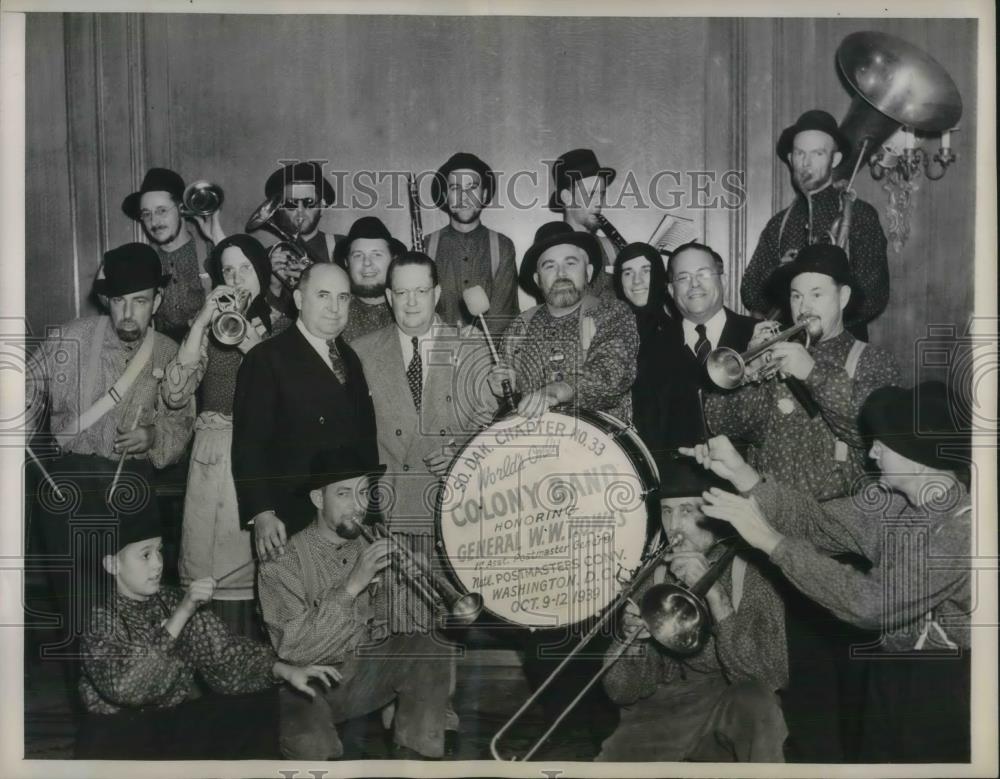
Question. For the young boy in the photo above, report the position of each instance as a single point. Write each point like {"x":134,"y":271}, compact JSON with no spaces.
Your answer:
{"x":147,"y":648}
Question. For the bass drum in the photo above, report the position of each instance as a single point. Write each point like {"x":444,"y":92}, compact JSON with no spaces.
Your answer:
{"x":547,"y":518}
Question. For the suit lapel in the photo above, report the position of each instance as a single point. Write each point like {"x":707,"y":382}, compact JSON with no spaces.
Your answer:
{"x":304,"y":353}
{"x":392,"y":377}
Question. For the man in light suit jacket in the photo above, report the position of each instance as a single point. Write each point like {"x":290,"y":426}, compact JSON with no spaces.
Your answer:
{"x":427,"y":400}
{"x":694,"y":281}
{"x":297,"y":394}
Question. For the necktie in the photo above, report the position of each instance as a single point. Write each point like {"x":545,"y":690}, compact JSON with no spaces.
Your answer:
{"x":415,"y":374}
{"x":702,"y":346}
{"x":337,"y":362}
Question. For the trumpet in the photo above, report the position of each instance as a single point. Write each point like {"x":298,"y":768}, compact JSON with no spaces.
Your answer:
{"x":609,"y":230}
{"x":416,"y":224}
{"x":727,"y":368}
{"x":263,"y":217}
{"x":202,"y":198}
{"x":229,"y":326}
{"x":435,"y":590}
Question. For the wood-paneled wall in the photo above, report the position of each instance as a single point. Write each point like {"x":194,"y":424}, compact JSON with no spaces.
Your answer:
{"x":227,"y":97}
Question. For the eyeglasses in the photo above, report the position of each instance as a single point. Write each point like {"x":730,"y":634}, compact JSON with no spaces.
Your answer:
{"x":420,"y":292}
{"x":702,"y":275}
{"x":292,"y":205}
{"x":159,"y":212}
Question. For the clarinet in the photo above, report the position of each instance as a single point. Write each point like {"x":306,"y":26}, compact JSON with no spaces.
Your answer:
{"x":613,"y":235}
{"x":416,"y":227}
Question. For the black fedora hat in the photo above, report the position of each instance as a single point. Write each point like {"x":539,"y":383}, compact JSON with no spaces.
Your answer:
{"x":156,"y":180}
{"x":309,"y":172}
{"x":684,"y":477}
{"x":927,"y":424}
{"x":822,"y":258}
{"x":462,"y":161}
{"x":813,"y":120}
{"x":553,"y":234}
{"x":340,"y":463}
{"x":572,"y":166}
{"x":366,"y":227}
{"x":130,"y":268}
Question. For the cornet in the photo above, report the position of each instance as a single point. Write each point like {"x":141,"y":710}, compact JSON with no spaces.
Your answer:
{"x":229,"y":326}
{"x":727,"y":368}
{"x":263,"y":217}
{"x":202,"y":198}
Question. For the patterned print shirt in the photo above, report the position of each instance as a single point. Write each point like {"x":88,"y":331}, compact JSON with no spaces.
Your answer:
{"x":59,"y":374}
{"x":363,"y":319}
{"x":131,"y":661}
{"x":184,"y":295}
{"x":547,"y":348}
{"x":790,"y":446}
{"x":809,"y":222}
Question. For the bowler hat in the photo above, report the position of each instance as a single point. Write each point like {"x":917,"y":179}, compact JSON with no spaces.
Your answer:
{"x":553,"y":234}
{"x":462,"y":161}
{"x":919,"y":421}
{"x":573,"y":166}
{"x":684,"y":477}
{"x":156,"y":180}
{"x":822,"y":258}
{"x":813,"y":120}
{"x":300,"y":173}
{"x":130,"y":268}
{"x":340,"y":463}
{"x":366,"y":227}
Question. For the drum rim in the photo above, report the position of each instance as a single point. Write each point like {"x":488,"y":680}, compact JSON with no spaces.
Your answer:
{"x":599,"y":419}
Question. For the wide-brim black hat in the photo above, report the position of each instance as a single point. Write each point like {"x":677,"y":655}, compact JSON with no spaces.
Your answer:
{"x":572,"y":166}
{"x":300,"y":173}
{"x":926,"y":423}
{"x":553,"y":234}
{"x":130,"y":268}
{"x":813,"y":120}
{"x":462,"y":161}
{"x":340,"y":463}
{"x":156,"y":180}
{"x":139,"y":526}
{"x":685,"y":477}
{"x":822,"y":258}
{"x":366,"y":227}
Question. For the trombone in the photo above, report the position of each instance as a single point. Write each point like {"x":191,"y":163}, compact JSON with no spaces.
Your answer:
{"x":676,"y":617}
{"x":436,"y":591}
{"x":263,"y":216}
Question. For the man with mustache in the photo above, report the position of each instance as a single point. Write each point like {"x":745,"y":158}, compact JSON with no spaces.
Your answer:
{"x":332,"y":596}
{"x":98,"y":377}
{"x":157,"y":207}
{"x":812,"y":148}
{"x":574,"y":348}
{"x":823,"y":456}
{"x":365,"y":254}
{"x":467,"y":253}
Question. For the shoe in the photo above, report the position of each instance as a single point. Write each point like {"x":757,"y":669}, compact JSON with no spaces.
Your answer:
{"x":452,"y":744}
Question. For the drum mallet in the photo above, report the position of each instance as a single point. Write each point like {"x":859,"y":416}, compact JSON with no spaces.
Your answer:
{"x":45,"y":473}
{"x":121,"y":460}
{"x":478,"y":304}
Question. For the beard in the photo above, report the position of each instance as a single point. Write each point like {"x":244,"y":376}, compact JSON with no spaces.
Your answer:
{"x":563,"y":294}
{"x":810,"y":182}
{"x":349,"y":529}
{"x":465,"y":215}
{"x":128,"y":330}
{"x":369,"y":291}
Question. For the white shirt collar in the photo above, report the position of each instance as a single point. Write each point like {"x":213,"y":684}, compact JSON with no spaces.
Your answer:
{"x":317,"y":343}
{"x":713,"y":330}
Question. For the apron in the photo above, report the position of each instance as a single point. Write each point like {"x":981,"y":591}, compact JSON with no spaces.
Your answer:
{"x":212,"y":543}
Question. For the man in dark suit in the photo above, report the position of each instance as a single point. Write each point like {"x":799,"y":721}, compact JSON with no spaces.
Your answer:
{"x":694,"y":280}
{"x":296,"y":394}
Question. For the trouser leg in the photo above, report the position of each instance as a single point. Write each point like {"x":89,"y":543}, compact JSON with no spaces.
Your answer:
{"x":746,"y":725}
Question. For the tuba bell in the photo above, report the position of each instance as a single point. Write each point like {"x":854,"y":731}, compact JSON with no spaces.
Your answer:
{"x":202,"y":198}
{"x":895,"y":84}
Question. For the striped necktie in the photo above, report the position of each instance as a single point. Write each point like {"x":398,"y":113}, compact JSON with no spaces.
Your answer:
{"x":415,"y":374}
{"x":702,"y":346}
